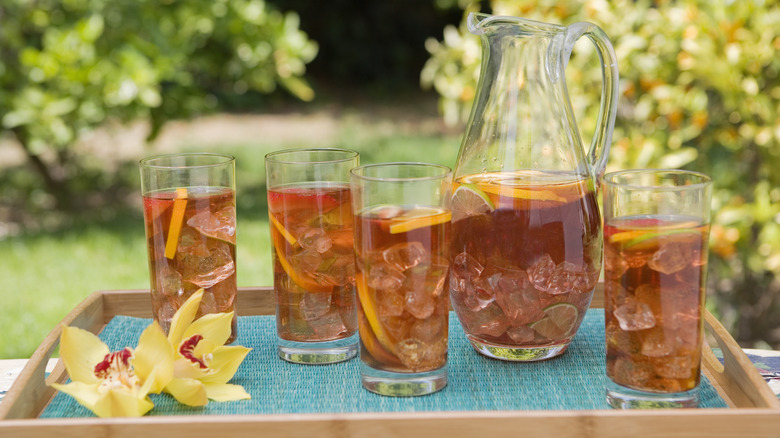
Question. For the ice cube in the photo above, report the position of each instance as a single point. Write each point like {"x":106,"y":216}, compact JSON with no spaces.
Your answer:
{"x":676,"y":367}
{"x":192,"y":242}
{"x":221,"y":225}
{"x":625,"y":342}
{"x":634,"y":315}
{"x":208,"y":304}
{"x":315,"y":304}
{"x":489,"y":321}
{"x":419,"y":303}
{"x":522,"y":334}
{"x":306,"y":261}
{"x":465,"y":268}
{"x":671,"y":257}
{"x":390,"y":303}
{"x":564,"y":279}
{"x":382,"y":276}
{"x":429,"y":330}
{"x":337,"y":267}
{"x":168,"y":281}
{"x":397,"y":327}
{"x":405,"y":255}
{"x":224,"y":294}
{"x":329,"y":326}
{"x":656,"y":343}
{"x":316,"y":239}
{"x":421,"y":356}
{"x":207,"y":271}
{"x":540,"y":272}
{"x":165,"y":315}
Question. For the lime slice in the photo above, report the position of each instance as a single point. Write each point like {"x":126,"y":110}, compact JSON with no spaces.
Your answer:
{"x":558,"y":322}
{"x":468,"y":200}
{"x":419,"y":218}
{"x":649,"y":236}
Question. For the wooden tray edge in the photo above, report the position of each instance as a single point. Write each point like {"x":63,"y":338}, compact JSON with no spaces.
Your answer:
{"x":29,"y":395}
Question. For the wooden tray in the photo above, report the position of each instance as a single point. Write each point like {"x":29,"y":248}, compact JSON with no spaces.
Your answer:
{"x":754,"y":410}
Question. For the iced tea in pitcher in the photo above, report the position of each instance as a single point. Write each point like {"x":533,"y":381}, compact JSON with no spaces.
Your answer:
{"x":526,"y":256}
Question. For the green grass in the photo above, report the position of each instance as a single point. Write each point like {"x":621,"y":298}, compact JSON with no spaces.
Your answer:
{"x":47,"y":274}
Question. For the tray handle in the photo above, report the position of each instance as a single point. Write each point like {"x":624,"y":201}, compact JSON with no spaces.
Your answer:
{"x":30,"y":393}
{"x":736,"y":375}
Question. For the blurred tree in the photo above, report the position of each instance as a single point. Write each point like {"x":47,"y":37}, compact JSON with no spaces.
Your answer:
{"x":699,"y":89}
{"x":68,"y":66}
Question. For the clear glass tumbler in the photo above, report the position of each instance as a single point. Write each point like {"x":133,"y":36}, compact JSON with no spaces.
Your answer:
{"x":656,"y":234}
{"x":402,"y":240}
{"x":310,"y":210}
{"x":190,"y":215}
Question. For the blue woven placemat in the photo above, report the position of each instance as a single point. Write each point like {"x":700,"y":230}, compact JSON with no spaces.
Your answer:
{"x":574,"y":381}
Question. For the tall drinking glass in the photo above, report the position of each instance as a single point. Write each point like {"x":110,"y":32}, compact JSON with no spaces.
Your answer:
{"x":656,"y":234}
{"x":310,"y":209}
{"x":190,"y":216}
{"x":402,"y":232}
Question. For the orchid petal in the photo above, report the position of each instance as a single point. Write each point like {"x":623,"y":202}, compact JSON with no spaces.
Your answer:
{"x":223,"y":392}
{"x":85,"y":393}
{"x":214,"y":327}
{"x":187,"y":391}
{"x":154,"y":356}
{"x":184,"y":317}
{"x":122,"y":403}
{"x":81,"y":350}
{"x":225,"y":362}
{"x":185,"y":369}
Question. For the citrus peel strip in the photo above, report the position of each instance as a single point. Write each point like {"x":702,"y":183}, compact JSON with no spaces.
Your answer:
{"x":177,"y":219}
{"x":369,"y":309}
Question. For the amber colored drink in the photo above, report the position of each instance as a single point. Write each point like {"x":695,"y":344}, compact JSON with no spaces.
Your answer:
{"x":654,"y":296}
{"x":526,"y":256}
{"x":314,"y":261}
{"x":191,"y":239}
{"x":402,"y":287}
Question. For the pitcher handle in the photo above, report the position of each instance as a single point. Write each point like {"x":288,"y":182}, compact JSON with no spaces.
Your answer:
{"x":605,"y":124}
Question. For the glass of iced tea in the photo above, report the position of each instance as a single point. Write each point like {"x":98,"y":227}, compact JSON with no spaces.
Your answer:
{"x":655,"y":264}
{"x":190,"y":215}
{"x":310,"y":210}
{"x":402,"y":232}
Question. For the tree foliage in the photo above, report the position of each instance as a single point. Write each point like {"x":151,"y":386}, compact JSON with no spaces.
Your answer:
{"x":700,"y":90}
{"x":68,"y":66}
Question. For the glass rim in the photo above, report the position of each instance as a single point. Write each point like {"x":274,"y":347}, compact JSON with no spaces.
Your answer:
{"x":148,"y":162}
{"x":446,"y":171}
{"x":610,"y":179}
{"x":349,"y":155}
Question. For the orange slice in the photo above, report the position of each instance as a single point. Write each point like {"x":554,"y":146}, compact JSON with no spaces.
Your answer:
{"x":287,"y":235}
{"x":307,"y":284}
{"x":372,"y":344}
{"x":369,"y":309}
{"x":419,"y":218}
{"x":177,"y":218}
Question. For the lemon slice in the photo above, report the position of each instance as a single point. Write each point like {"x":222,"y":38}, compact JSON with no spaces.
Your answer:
{"x":177,"y":218}
{"x":419,"y":218}
{"x":468,"y":200}
{"x":518,"y":193}
{"x":558,"y":322}
{"x":369,"y":309}
{"x":287,"y":235}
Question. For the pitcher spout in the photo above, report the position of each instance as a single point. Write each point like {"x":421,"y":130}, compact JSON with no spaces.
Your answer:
{"x":481,"y":24}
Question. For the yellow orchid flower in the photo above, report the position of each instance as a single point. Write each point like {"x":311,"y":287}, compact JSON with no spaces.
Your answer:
{"x":115,"y":384}
{"x":203,"y":364}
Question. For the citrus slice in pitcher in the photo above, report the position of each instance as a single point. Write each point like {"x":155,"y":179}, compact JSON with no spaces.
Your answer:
{"x":468,"y":200}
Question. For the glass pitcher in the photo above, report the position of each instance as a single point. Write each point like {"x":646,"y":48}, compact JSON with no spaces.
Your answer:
{"x":526,"y":246}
